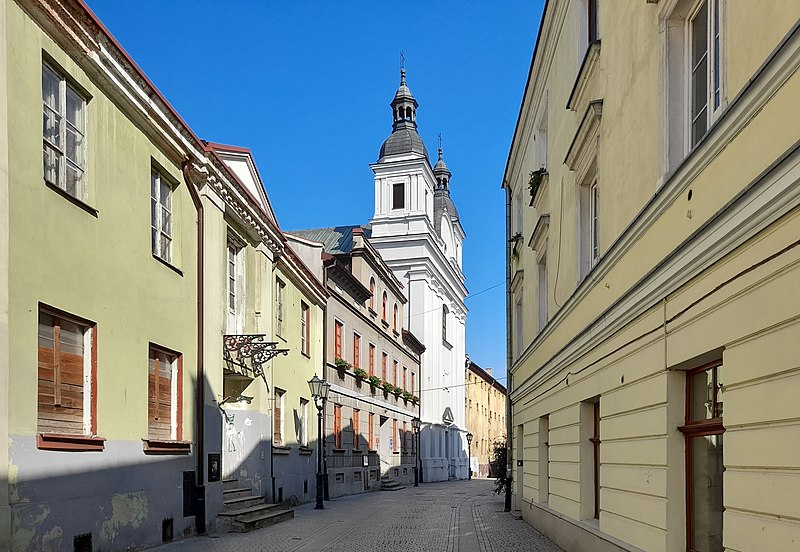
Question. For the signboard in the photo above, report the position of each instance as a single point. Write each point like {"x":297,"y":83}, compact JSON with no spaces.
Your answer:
{"x":365,"y":460}
{"x":447,"y":416}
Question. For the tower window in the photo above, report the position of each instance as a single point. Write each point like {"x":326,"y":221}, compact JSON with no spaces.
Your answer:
{"x":398,"y":196}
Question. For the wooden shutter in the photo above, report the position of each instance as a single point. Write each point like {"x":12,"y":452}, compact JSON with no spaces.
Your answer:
{"x":61,"y":376}
{"x":355,"y":428}
{"x":394,"y":373}
{"x":278,"y":433}
{"x":383,"y":367}
{"x":159,"y":404}
{"x":337,"y":426}
{"x":338,"y":340}
{"x":356,"y":350}
{"x":371,"y":359}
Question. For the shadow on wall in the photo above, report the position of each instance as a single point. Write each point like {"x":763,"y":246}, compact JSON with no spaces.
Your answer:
{"x":118,"y":498}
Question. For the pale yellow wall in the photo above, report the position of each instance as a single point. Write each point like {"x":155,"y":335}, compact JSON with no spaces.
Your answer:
{"x":64,"y":257}
{"x":752,"y":318}
{"x":5,"y":514}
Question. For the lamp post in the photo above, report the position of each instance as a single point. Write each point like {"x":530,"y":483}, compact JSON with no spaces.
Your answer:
{"x":319,"y":390}
{"x":469,"y":454}
{"x":415,"y":423}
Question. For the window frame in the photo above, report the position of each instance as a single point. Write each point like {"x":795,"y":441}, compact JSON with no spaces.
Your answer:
{"x":88,"y":439}
{"x":384,"y":365}
{"x":278,"y":418}
{"x":356,"y":350}
{"x":158,"y":181}
{"x":371,"y":359}
{"x":715,"y":70}
{"x":280,"y":286}
{"x":356,"y":434}
{"x":65,"y":86}
{"x":398,"y":200}
{"x":303,"y":433}
{"x":175,"y":394}
{"x":338,"y":339}
{"x":371,"y":431}
{"x":384,"y":302}
{"x":305,"y":328}
{"x":337,"y":426}
{"x":372,"y":293}
{"x":445,"y":312}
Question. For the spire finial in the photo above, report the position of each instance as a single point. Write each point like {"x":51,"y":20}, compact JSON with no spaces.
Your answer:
{"x":402,"y":68}
{"x":440,"y":145}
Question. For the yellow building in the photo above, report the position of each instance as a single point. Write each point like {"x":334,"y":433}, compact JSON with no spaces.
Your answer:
{"x":485,"y":405}
{"x":654,"y":271}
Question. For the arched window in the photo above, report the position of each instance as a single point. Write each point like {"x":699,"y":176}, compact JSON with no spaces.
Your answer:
{"x":383,"y":312}
{"x":372,"y":293}
{"x":444,"y":323}
{"x":394,"y":318}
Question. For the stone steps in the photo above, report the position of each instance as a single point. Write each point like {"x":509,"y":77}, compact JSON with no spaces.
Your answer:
{"x":244,"y":511}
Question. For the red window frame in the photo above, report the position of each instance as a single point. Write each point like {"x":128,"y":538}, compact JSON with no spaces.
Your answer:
{"x":384,"y":362}
{"x":385,"y":298}
{"x":405,"y":438}
{"x":394,"y":434}
{"x":355,"y":428}
{"x":394,"y":372}
{"x":371,"y":359}
{"x":371,"y":431}
{"x":356,"y":350}
{"x":405,"y":373}
{"x":413,"y":383}
{"x":337,"y":426}
{"x":338,"y":329}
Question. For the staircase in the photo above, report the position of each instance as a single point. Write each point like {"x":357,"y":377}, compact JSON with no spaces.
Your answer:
{"x":244,"y":511}
{"x":389,"y":484}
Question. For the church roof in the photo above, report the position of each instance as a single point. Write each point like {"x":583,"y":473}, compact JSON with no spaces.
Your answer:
{"x":334,"y":240}
{"x":401,"y":141}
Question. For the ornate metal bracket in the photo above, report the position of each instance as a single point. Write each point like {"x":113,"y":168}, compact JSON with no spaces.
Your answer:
{"x":249,"y":353}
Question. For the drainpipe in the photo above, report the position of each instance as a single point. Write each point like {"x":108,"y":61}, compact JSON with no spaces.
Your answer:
{"x":326,"y":494}
{"x":509,"y":425}
{"x":200,"y":491}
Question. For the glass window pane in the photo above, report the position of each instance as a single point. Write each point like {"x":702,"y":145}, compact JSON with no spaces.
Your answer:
{"x":154,"y":240}
{"x":166,"y":193}
{"x":75,"y":109}
{"x":71,"y":338}
{"x":51,"y":164}
{"x":50,"y":88}
{"x":699,"y":126}
{"x":706,"y":493}
{"x":700,"y":397}
{"x":74,"y":146}
{"x":45,"y":331}
{"x":166,"y":222}
{"x":153,"y":213}
{"x":718,"y":370}
{"x":51,"y":125}
{"x":154,"y":186}
{"x":74,"y":181}
{"x":166,"y":248}
{"x":699,"y":34}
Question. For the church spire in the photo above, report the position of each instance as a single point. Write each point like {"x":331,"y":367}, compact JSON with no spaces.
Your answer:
{"x":441,"y":172}
{"x":404,"y":106}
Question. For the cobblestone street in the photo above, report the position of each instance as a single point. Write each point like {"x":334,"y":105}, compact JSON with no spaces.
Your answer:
{"x":461,"y":516}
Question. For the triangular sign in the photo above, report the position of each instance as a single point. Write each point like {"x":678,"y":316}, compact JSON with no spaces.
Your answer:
{"x":447,"y":416}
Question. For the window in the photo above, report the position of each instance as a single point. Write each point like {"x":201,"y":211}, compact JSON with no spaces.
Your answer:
{"x":372,"y":294}
{"x":164,"y":395}
{"x":371,"y":431}
{"x":67,"y":396}
{"x":338,"y":332}
{"x":384,"y":307}
{"x":405,"y":373}
{"x":384,"y":361}
{"x":235,"y":312}
{"x":589,"y":226}
{"x":337,"y":426}
{"x":304,"y":329}
{"x":591,"y":14}
{"x":277,"y":414}
{"x":394,"y":373}
{"x":394,"y":318}
{"x":356,"y":350}
{"x":705,"y":69}
{"x":161,"y":216}
{"x":704,"y":461}
{"x":355,"y":428}
{"x":542,"y":289}
{"x":405,"y":438}
{"x":279,"y":286}
{"x":64,"y":134}
{"x":444,"y":323}
{"x":413,"y":386}
{"x":395,"y":443}
{"x":595,"y":440}
{"x":398,"y":196}
{"x":302,"y":433}
{"x":371,"y":359}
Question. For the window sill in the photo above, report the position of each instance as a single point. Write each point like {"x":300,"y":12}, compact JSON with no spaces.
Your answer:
{"x":372,"y":311}
{"x":305,"y":451}
{"x":72,"y":199}
{"x":75,"y":443}
{"x":165,"y":446}
{"x":338,"y":450}
{"x":279,"y":336}
{"x":168,"y":265}
{"x":447,"y":344}
{"x":396,"y":333}
{"x":384,"y":323}
{"x":357,"y":451}
{"x":305,"y":354}
{"x":278,"y":449}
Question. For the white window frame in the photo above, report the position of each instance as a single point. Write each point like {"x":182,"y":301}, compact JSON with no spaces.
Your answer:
{"x":594,"y":223}
{"x":59,"y":150}
{"x":303,"y":433}
{"x":305,"y":334}
{"x":279,"y":288}
{"x":162,"y":219}
{"x":234,"y":253}
{"x":542,"y":290}
{"x":714,"y":74}
{"x":280,"y":394}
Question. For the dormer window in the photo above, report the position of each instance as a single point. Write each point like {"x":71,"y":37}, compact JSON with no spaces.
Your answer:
{"x":398,"y":196}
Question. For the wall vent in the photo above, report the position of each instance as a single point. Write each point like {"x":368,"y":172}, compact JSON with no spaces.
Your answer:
{"x":166,"y":530}
{"x":82,"y":543}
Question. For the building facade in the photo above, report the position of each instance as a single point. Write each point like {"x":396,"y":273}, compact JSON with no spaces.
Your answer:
{"x":372,"y":363}
{"x":135,"y":261}
{"x":652,"y":222}
{"x":485,"y":407}
{"x":417,"y":231}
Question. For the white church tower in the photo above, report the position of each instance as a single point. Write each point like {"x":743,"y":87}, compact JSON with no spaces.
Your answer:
{"x":417,"y":231}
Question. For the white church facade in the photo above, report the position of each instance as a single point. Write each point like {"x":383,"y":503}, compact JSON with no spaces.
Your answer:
{"x":417,"y":231}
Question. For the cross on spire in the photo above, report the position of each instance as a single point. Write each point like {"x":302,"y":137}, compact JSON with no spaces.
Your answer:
{"x":402,"y":60}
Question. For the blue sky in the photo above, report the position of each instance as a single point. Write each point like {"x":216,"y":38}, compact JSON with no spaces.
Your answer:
{"x":306,"y":85}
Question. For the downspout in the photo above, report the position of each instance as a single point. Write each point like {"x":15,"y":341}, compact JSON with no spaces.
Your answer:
{"x":509,"y":425}
{"x":324,"y":370}
{"x":200,"y":491}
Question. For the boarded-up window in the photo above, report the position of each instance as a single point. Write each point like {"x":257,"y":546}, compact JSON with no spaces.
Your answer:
{"x":162,"y":403}
{"x":355,"y":428}
{"x":64,"y":376}
{"x":337,"y":426}
{"x":277,"y":414}
{"x":371,"y":431}
{"x":337,"y":339}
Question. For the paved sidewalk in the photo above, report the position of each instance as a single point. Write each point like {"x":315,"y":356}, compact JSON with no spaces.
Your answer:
{"x":457,"y":516}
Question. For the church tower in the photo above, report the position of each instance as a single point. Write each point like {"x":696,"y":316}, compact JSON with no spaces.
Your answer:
{"x":416,"y":229}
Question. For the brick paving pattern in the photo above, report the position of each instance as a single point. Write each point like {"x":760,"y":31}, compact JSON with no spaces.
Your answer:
{"x":457,"y":516}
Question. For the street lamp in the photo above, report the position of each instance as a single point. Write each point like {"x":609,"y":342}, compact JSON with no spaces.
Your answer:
{"x":415,"y":423}
{"x":319,"y":390}
{"x":469,"y":454}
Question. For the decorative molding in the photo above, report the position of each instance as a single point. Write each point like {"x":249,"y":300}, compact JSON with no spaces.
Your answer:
{"x":580,"y":88}
{"x":587,"y":134}
{"x":539,"y":232}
